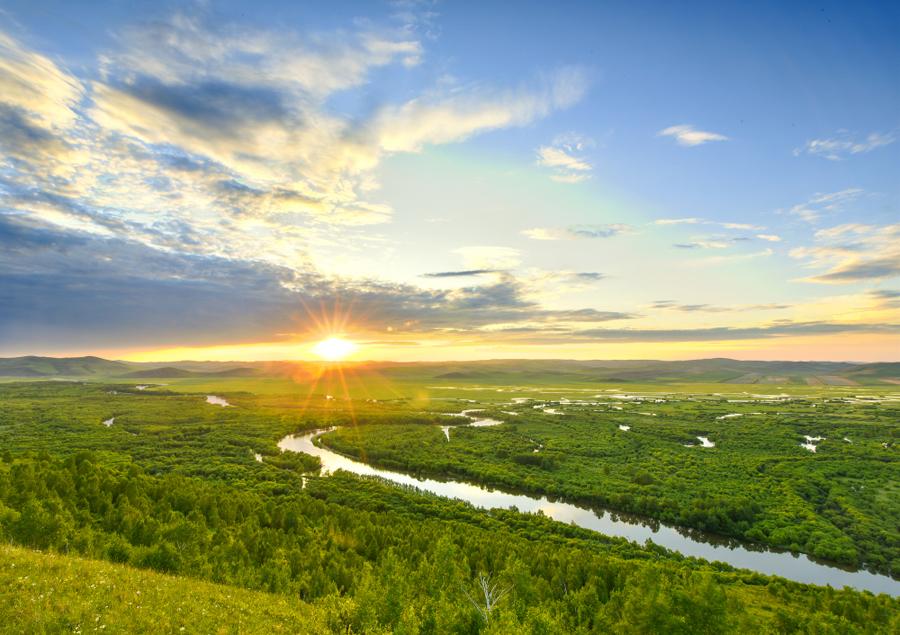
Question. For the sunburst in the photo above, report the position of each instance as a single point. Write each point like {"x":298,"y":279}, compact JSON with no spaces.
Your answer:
{"x":334,"y":349}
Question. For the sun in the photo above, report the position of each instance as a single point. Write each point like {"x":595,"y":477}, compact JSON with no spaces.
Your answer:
{"x":334,"y":349}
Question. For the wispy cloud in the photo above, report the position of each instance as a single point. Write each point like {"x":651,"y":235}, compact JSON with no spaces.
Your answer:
{"x":561,"y":158}
{"x":702,"y":221}
{"x":828,"y":202}
{"x":886,"y":298}
{"x":720,"y":260}
{"x":43,"y":93}
{"x":577,"y":231}
{"x":688,"y":135}
{"x":844,"y":144}
{"x":703,"y":244}
{"x":452,"y":117}
{"x":852,"y":252}
{"x":671,"y":305}
{"x":466,"y":273}
{"x":678,"y":221}
{"x":741,"y":226}
{"x":725,"y":333}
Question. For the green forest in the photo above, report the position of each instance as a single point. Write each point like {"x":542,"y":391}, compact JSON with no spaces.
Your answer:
{"x":841,"y":503}
{"x":171,"y":491}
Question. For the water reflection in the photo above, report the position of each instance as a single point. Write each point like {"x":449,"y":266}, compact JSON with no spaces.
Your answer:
{"x":693,"y":543}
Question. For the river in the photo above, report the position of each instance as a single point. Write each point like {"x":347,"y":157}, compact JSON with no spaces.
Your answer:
{"x":797,"y":567}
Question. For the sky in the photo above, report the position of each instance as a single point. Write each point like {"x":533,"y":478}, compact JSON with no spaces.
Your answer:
{"x":450,"y":180}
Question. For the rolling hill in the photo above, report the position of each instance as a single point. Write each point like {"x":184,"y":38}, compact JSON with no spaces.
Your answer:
{"x":33,"y":366}
{"x":505,"y":372}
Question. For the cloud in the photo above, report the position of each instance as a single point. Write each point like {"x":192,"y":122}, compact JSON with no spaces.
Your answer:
{"x":843,"y":145}
{"x":725,"y":333}
{"x":687,"y":135}
{"x":560,"y":158}
{"x":253,"y":107}
{"x":828,"y":202}
{"x":31,"y":84}
{"x":678,"y":221}
{"x":720,"y":260}
{"x":721,"y":241}
{"x":772,"y":238}
{"x":852,"y":252}
{"x":185,"y":49}
{"x":38,"y":108}
{"x":229,"y":130}
{"x":459,"y":274}
{"x":557,"y":158}
{"x":741,"y":226}
{"x":709,"y":308}
{"x":577,"y":231}
{"x":70,"y":289}
{"x":886,"y":298}
{"x":703,"y":221}
{"x":703,"y":244}
{"x":447,"y":118}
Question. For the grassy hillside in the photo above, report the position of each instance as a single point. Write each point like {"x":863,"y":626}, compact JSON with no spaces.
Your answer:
{"x":33,"y":366}
{"x":171,"y":372}
{"x":50,"y":593}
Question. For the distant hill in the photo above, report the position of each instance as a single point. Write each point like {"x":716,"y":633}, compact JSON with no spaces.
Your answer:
{"x":173,"y":371}
{"x":884,"y":370}
{"x":33,"y":366}
{"x":153,"y":373}
{"x":498,"y":372}
{"x":719,"y":370}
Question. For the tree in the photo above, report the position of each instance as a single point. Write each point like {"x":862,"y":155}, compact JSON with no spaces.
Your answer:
{"x":488,"y":596}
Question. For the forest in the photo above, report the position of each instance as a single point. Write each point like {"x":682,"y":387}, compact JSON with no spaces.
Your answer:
{"x":840,"y":503}
{"x":173,"y":486}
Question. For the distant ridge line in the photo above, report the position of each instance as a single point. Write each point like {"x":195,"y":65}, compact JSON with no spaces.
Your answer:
{"x":494,"y":371}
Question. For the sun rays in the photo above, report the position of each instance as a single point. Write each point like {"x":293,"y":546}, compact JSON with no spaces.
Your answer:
{"x":334,"y":349}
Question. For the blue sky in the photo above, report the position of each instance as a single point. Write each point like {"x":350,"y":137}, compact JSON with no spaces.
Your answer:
{"x":461,"y":179}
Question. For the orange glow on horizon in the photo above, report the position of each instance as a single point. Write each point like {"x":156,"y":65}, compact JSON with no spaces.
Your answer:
{"x":861,"y":347}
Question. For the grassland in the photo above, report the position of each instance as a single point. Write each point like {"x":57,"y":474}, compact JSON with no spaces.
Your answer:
{"x":52,"y":593}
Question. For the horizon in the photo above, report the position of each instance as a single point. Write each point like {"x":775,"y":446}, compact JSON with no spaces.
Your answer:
{"x":425,"y":181}
{"x":359,"y":362}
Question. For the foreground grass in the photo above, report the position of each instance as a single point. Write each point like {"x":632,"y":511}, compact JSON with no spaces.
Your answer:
{"x":47,"y":593}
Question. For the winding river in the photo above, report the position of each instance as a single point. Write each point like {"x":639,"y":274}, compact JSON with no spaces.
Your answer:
{"x":798,"y":567}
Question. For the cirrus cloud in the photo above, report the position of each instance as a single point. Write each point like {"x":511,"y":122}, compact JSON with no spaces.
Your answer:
{"x":688,"y":135}
{"x":577,"y":231}
{"x":844,"y":144}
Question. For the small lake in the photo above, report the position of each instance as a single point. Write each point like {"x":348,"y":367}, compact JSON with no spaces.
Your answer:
{"x":753,"y":557}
